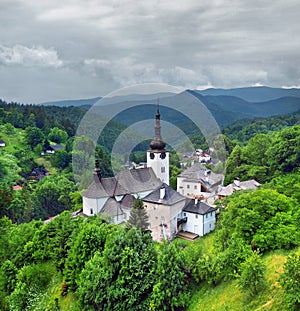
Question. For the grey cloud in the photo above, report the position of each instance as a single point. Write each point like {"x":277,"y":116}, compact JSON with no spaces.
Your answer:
{"x":92,"y":47}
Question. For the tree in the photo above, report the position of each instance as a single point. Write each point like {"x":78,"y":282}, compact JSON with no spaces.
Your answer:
{"x":252,"y":278}
{"x":52,"y":196}
{"x":122,"y":277}
{"x":57,"y":135}
{"x":33,"y":136}
{"x":169,"y":291}
{"x":138,"y":216}
{"x":284,"y":153}
{"x":89,"y":240}
{"x":61,"y":159}
{"x":9,"y":169}
{"x":290,"y":281}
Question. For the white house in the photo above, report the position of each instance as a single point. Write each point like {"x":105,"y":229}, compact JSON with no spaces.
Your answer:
{"x":199,"y":217}
{"x":2,"y":143}
{"x":198,"y":181}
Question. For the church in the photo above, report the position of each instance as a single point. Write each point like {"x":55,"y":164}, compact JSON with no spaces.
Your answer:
{"x":169,"y":211}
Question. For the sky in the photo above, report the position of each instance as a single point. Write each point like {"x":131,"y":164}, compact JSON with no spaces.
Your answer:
{"x":55,"y":50}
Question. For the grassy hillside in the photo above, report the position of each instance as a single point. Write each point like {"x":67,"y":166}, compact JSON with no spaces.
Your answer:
{"x":227,"y":295}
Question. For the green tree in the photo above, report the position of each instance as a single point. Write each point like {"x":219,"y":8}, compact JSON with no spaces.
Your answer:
{"x":57,"y":135}
{"x":252,"y":278}
{"x":52,"y":196}
{"x":9,"y":169}
{"x":290,"y":281}
{"x":138,"y":216}
{"x":61,"y":159}
{"x":33,"y":136}
{"x":89,"y":240}
{"x":284,"y":154}
{"x":170,"y":289}
{"x":122,"y":277}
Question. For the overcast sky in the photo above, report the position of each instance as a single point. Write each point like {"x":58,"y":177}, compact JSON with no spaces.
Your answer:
{"x":52,"y":50}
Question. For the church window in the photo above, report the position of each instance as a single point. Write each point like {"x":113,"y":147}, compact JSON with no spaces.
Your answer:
{"x":163,"y":169}
{"x":162,"y":155}
{"x":91,"y":211}
{"x":152,"y":155}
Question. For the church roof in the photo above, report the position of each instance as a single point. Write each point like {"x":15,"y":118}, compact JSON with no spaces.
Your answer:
{"x":171,"y":196}
{"x":157,"y":143}
{"x":197,"y":173}
{"x":112,"y":207}
{"x":125,"y":182}
{"x":200,"y":208}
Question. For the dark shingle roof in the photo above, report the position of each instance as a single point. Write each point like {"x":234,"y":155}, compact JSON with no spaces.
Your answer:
{"x":171,"y":196}
{"x":127,"y":201}
{"x":125,"y":182}
{"x":199,"y":208}
{"x":112,"y":207}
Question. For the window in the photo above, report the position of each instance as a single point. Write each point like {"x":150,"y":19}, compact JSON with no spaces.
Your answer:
{"x":195,"y":187}
{"x":163,"y":169}
{"x":206,"y":215}
{"x":184,"y":214}
{"x":125,"y":216}
{"x":151,"y":155}
{"x":209,"y":226}
{"x":210,"y":214}
{"x":188,"y":186}
{"x":196,"y":216}
{"x":91,"y":211}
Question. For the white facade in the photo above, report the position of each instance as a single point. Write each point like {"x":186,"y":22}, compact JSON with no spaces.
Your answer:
{"x":199,"y":224}
{"x":159,"y":162}
{"x":93,"y":206}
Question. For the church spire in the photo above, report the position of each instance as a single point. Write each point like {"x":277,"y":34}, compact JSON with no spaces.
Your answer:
{"x":157,"y":143}
{"x":97,"y":172}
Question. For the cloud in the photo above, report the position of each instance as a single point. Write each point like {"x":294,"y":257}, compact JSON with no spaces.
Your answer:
{"x":99,"y":45}
{"x":29,"y":57}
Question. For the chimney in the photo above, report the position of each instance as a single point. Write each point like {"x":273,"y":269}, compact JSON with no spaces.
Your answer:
{"x":162,"y":193}
{"x":196,"y":201}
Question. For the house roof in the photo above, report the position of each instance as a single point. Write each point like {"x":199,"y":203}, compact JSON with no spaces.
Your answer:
{"x":55,"y":147}
{"x":171,"y":196}
{"x":127,"y":201}
{"x":112,"y":207}
{"x":200,"y":208}
{"x":235,"y":186}
{"x":125,"y":182}
{"x":196,"y":173}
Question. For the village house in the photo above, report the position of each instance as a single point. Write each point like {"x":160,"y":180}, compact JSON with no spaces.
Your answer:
{"x":199,"y":182}
{"x":2,"y":143}
{"x":53,"y":148}
{"x":238,"y":185}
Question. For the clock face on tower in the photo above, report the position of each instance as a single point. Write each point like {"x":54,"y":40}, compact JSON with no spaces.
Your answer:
{"x":151,"y":155}
{"x":162,"y":155}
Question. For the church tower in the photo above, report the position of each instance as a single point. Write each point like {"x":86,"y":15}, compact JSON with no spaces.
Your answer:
{"x":157,"y":156}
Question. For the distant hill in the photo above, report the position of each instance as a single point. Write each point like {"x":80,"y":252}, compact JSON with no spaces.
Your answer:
{"x":73,"y":102}
{"x":253,"y":94}
{"x":226,"y":106}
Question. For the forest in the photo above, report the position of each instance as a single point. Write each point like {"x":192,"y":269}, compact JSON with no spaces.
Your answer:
{"x":70,"y":262}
